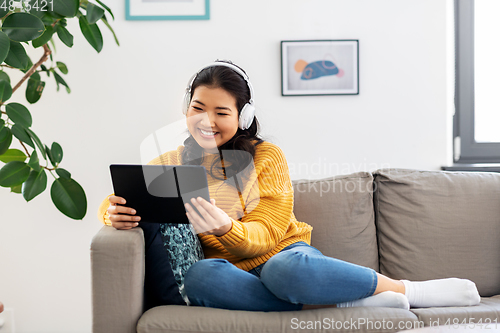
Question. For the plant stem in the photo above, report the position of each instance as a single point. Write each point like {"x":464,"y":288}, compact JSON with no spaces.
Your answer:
{"x":44,"y":58}
{"x":25,"y":149}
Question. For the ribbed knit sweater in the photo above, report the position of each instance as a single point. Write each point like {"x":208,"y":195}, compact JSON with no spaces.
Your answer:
{"x":263,"y":224}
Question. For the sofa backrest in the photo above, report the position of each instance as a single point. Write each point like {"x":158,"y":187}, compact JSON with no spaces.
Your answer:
{"x":437,"y":224}
{"x":340,"y":209}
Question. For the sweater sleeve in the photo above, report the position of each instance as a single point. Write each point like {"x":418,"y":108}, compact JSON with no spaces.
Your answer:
{"x":261,"y":230}
{"x":102,"y":211}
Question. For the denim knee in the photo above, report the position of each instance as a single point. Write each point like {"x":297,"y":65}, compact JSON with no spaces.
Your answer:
{"x":282,"y":275}
{"x":201,"y":277}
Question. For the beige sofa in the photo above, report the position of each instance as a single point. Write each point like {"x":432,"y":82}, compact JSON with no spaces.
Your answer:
{"x":408,"y":224}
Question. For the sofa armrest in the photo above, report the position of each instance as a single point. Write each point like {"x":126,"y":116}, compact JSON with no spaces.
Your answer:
{"x":117,"y":265}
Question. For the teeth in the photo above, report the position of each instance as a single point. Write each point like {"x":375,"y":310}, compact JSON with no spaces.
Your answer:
{"x":207,"y":133}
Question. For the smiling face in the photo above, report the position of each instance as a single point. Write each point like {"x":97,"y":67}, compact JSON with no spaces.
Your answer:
{"x":212,"y":117}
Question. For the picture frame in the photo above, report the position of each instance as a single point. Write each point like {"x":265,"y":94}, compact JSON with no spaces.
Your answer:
{"x":319,"y":67}
{"x":167,"y":9}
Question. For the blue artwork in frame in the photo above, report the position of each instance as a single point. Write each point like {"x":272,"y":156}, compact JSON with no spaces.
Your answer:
{"x":167,"y":9}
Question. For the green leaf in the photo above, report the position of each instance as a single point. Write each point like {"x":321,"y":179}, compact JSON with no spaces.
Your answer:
{"x":68,"y":196}
{"x":111,"y":29}
{"x":94,"y":13}
{"x":28,"y":66}
{"x":13,"y":155}
{"x":35,"y":184}
{"x":92,"y":33}
{"x":62,"y":67}
{"x":4,"y":46}
{"x":17,"y":56}
{"x":4,"y":132}
{"x":60,"y":80}
{"x":56,"y":152}
{"x":5,"y":91}
{"x":54,"y":46}
{"x":34,"y":90}
{"x":37,"y":142}
{"x":67,"y":8}
{"x":43,"y":39}
{"x":63,"y":173}
{"x":4,"y":76}
{"x":5,"y":143}
{"x":34,"y":162}
{"x":35,"y":76}
{"x":22,"y":27}
{"x":20,"y":133}
{"x":106,"y":7}
{"x":37,"y":7}
{"x":49,"y":154}
{"x":4,"y":10}
{"x":64,"y":36}
{"x":19,"y":114}
{"x":14,"y":173}
{"x":16,"y":189}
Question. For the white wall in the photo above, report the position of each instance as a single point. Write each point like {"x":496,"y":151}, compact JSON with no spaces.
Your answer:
{"x":401,"y":118}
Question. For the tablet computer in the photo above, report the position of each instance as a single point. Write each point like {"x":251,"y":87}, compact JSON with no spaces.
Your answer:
{"x":158,"y":192}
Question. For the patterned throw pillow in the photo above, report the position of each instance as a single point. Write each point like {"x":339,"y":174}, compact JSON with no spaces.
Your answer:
{"x":170,"y":250}
{"x":183,"y":248}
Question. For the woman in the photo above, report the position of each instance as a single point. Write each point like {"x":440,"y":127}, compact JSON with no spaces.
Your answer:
{"x":258,"y":254}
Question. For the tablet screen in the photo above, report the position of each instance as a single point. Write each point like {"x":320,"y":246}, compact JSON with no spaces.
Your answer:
{"x":158,"y":192}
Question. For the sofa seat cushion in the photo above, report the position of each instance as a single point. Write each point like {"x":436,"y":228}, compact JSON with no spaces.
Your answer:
{"x":438,"y":224}
{"x":181,"y":319}
{"x":487,"y":312}
{"x":340,"y":210}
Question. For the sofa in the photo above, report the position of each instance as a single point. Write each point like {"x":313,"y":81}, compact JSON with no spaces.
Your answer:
{"x":406,"y":224}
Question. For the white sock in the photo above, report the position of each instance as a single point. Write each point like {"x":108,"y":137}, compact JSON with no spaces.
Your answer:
{"x":388,"y":299}
{"x":442,"y":292}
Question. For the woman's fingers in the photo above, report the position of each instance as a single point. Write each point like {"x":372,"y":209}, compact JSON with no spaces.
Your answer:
{"x":213,"y":220}
{"x":123,"y":218}
{"x":204,"y":208}
{"x":118,"y":215}
{"x":121,"y":210}
{"x":116,"y":200}
{"x":124,"y":225}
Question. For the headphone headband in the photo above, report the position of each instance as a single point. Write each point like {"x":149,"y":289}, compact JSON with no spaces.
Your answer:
{"x":226,"y":64}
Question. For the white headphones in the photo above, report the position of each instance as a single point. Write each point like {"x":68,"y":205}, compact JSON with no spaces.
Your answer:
{"x":247,"y":113}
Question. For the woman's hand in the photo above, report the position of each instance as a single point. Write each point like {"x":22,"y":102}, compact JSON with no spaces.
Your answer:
{"x":213,"y":220}
{"x":121,"y":217}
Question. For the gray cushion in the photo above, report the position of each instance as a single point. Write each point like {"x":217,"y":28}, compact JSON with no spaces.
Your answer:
{"x":487,"y":312}
{"x":437,"y":224}
{"x":340,"y":209}
{"x":181,"y":319}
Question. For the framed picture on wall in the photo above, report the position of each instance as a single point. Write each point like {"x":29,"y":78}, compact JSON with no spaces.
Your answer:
{"x":319,"y":67}
{"x":167,"y":9}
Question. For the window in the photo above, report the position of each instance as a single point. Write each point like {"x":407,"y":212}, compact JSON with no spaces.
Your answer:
{"x":476,"y":124}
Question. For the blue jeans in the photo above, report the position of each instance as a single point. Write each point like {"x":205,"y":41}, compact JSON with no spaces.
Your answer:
{"x":299,"y":274}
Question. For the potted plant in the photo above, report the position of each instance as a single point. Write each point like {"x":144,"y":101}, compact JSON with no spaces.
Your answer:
{"x":35,"y":23}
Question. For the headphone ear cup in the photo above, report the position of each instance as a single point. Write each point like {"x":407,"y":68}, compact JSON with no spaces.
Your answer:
{"x":246,"y":116}
{"x":185,"y":102}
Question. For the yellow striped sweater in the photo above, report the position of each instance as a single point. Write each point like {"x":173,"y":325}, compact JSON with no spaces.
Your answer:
{"x":266,"y":226}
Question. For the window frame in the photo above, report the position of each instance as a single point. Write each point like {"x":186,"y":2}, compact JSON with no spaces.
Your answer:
{"x":466,"y":149}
